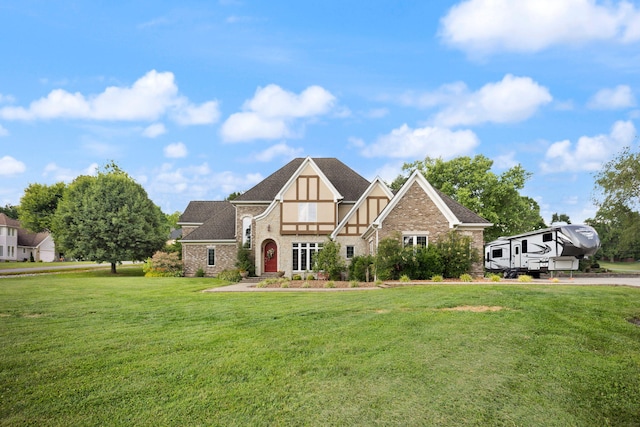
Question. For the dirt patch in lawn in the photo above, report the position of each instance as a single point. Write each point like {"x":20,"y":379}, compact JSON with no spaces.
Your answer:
{"x":475,"y":308}
{"x":634,"y":320}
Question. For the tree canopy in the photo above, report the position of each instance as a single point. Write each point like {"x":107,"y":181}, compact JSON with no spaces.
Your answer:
{"x":10,"y":211}
{"x":618,"y":219}
{"x":470,"y":182}
{"x":556,"y":217}
{"x":38,"y":205}
{"x":108,"y":218}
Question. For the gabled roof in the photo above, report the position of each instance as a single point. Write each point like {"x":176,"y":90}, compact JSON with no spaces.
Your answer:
{"x":453,"y":211}
{"x":464,"y":214}
{"x":197,"y":212}
{"x":374,"y":184}
{"x":310,"y":163}
{"x":30,"y":240}
{"x":25,"y":237}
{"x":219,"y":221}
{"x":9,"y":222}
{"x":345,"y":180}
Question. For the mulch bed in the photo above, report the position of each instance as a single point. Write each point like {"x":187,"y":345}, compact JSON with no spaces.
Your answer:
{"x":315,"y":284}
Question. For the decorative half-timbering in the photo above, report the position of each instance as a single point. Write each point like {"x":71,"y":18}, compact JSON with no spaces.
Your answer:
{"x":285,"y":218}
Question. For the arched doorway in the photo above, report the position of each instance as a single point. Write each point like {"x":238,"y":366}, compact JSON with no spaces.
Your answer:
{"x":270,"y":257}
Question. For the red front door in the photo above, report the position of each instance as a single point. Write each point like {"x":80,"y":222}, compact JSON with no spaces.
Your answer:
{"x":270,"y":257}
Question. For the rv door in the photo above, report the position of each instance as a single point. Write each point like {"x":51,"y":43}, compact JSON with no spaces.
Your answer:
{"x":516,"y":255}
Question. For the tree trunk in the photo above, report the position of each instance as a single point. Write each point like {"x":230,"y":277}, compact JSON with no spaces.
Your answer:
{"x":113,"y":268}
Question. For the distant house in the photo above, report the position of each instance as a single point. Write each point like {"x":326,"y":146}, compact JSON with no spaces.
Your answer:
{"x":18,"y":244}
{"x":285,"y":218}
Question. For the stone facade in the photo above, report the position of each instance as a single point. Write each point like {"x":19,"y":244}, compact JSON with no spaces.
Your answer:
{"x":415,"y":208}
{"x":195,"y":256}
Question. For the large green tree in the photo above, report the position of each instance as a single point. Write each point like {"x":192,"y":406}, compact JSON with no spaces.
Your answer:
{"x":618,"y":183}
{"x":108,"y":218}
{"x":618,"y":197}
{"x":472,"y":183}
{"x":619,"y":230}
{"x":38,"y":205}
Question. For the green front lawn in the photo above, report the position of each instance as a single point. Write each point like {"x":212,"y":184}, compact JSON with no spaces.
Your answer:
{"x":90,"y":349}
{"x":621,"y":267}
{"x":13,"y":264}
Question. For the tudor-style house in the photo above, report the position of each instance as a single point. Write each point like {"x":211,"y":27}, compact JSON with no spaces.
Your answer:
{"x":285,"y":218}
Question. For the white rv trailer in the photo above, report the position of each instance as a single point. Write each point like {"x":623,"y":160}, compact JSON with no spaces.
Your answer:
{"x":559,"y":247}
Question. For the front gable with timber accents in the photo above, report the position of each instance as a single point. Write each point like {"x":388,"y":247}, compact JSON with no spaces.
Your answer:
{"x":308,"y":202}
{"x":285,"y":219}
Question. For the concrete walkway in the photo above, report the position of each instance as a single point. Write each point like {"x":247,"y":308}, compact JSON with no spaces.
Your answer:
{"x":590,"y":281}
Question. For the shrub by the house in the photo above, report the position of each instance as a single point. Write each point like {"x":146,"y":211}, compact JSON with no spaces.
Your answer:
{"x":163,"y":264}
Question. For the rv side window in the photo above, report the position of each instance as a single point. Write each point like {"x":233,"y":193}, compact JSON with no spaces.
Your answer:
{"x":517,"y":250}
{"x":524,"y":246}
{"x":547,"y":237}
{"x":496,"y":253}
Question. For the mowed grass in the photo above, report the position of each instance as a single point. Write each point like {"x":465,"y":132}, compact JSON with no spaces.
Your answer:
{"x":14,"y":264}
{"x":91,"y":349}
{"x":623,"y":267}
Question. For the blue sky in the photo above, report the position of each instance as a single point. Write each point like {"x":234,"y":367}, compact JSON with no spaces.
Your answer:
{"x":197,"y":99}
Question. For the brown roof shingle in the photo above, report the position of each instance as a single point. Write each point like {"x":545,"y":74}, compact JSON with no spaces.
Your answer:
{"x":464,"y":214}
{"x":347,"y":181}
{"x":218,"y":220}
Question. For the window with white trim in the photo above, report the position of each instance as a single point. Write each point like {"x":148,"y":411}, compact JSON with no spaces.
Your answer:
{"x":211,"y":257}
{"x":417,"y":241}
{"x":246,"y":231}
{"x":307,"y":212}
{"x":303,"y":255}
{"x":350,"y":251}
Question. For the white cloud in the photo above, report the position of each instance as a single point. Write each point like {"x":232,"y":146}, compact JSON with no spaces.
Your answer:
{"x":176,"y":150}
{"x":249,"y":126}
{"x":154,"y":130}
{"x":389,"y":171}
{"x":612,"y":99}
{"x":203,"y":114}
{"x":6,"y":99}
{"x":278,"y":150}
{"x":480,"y":27}
{"x":405,"y":142}
{"x":512,"y":99}
{"x":272,"y":112}
{"x":590,"y":152}
{"x":376,"y":113}
{"x":3,"y":131}
{"x":198,"y":181}
{"x":65,"y":174}
{"x":356,"y":142}
{"x":505,"y":161}
{"x":149,"y":98}
{"x":445,"y":94}
{"x":10,"y":166}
